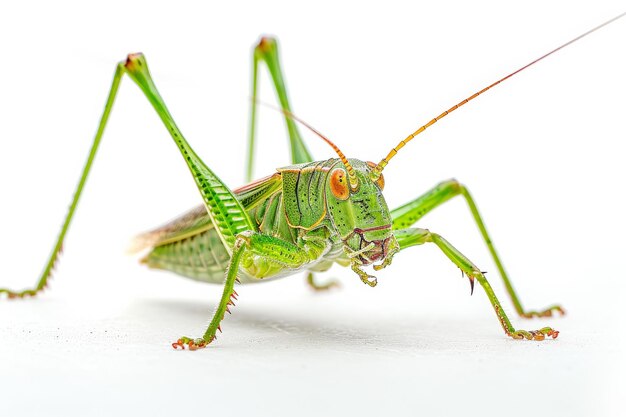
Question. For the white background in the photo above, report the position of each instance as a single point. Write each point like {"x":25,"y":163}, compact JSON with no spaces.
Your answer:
{"x":542,"y":153}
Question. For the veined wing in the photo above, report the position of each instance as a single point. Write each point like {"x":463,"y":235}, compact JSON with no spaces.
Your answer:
{"x":197,"y":219}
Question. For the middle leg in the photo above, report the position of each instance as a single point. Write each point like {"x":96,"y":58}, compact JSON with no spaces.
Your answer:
{"x":410,"y":213}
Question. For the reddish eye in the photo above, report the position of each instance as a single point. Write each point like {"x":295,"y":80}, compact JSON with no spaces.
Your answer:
{"x":339,"y":184}
{"x":381,"y":180}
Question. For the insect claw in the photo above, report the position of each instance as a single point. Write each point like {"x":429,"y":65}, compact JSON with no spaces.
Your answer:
{"x":370,"y":280}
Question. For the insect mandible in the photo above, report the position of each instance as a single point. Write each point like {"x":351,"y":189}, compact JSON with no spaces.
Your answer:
{"x":304,"y":217}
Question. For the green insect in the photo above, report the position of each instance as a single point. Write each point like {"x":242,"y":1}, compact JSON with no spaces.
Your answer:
{"x":304,"y":217}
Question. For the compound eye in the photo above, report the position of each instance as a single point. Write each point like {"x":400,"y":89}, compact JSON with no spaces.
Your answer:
{"x":381,"y":180}
{"x":339,"y":184}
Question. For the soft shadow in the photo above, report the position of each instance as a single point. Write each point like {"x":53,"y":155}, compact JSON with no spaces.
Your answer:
{"x":406,"y":335}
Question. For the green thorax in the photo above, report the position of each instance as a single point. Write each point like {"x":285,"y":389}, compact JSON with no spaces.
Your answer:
{"x":304,"y":195}
{"x":310,"y":203}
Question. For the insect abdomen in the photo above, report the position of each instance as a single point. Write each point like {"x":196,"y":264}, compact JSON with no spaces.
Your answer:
{"x":201,"y":257}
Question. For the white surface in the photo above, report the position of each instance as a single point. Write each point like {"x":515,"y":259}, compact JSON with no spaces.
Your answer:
{"x":543,"y":155}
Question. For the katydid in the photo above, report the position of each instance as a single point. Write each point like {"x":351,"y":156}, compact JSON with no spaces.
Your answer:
{"x":304,"y":217}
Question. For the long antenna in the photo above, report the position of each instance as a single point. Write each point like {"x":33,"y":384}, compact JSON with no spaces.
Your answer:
{"x":352,"y":178}
{"x":383,"y":163}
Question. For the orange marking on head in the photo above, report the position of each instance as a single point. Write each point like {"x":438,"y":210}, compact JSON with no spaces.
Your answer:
{"x":339,"y":184}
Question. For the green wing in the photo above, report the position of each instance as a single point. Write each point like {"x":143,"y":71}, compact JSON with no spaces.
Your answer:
{"x":197,"y":220}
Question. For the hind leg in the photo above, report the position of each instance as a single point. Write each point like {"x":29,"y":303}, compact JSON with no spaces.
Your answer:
{"x":267,"y":51}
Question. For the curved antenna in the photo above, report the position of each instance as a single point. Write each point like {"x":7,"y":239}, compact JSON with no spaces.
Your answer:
{"x":352,"y":178}
{"x":383,"y":163}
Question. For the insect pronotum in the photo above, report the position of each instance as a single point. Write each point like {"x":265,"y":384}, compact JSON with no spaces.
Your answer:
{"x":304,"y":217}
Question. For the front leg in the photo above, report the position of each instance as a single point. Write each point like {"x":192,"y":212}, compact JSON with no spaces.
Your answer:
{"x":410,"y":213}
{"x":259,"y":255}
{"x":414,"y":236}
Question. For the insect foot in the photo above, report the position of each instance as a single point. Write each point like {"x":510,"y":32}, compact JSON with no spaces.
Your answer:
{"x":534,"y":334}
{"x":509,"y":330}
{"x":23,"y":294}
{"x":193,"y":344}
{"x":548,"y":312}
{"x":367,"y":279}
